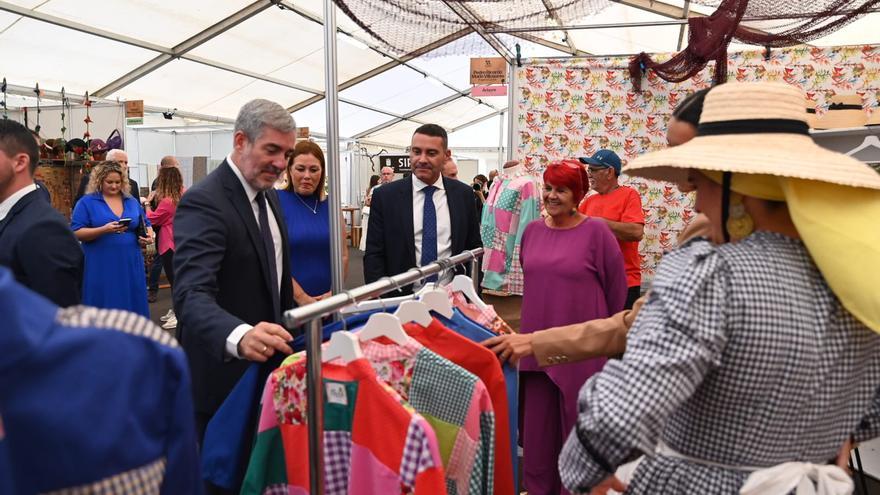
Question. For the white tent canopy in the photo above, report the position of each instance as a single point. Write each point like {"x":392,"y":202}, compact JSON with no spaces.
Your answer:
{"x":205,"y":58}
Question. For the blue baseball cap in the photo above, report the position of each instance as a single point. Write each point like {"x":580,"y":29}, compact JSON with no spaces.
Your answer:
{"x":603,"y":158}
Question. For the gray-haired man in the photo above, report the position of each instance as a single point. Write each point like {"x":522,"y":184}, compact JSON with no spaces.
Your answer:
{"x":231,"y":259}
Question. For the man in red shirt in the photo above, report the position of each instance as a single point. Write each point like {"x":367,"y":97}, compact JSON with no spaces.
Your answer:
{"x":621,"y":208}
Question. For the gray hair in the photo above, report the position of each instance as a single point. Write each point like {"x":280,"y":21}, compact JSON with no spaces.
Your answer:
{"x":258,"y":114}
{"x":112,"y":154}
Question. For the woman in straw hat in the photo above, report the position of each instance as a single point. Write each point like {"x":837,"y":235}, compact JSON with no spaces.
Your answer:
{"x":753,"y":361}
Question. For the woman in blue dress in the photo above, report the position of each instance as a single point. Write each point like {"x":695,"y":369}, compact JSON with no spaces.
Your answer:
{"x":307,"y":215}
{"x":107,"y":220}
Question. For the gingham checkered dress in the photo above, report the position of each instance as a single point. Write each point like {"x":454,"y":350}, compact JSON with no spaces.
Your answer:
{"x":742,"y":357}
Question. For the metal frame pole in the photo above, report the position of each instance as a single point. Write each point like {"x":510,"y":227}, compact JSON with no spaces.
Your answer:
{"x":475,"y":273}
{"x":501,"y":121}
{"x":334,"y":169}
{"x":313,"y":377}
{"x":511,"y":110}
{"x":311,"y":314}
{"x":578,"y":27}
{"x":298,"y":316}
{"x":315,"y":410}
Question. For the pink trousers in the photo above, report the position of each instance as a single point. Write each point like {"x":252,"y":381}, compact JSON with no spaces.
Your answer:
{"x":545,"y":422}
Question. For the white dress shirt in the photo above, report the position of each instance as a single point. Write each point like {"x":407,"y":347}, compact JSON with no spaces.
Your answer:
{"x":238,"y":332}
{"x":444,"y":224}
{"x":8,"y":203}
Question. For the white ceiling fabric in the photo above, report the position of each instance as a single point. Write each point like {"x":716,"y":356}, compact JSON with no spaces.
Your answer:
{"x":278,"y":54}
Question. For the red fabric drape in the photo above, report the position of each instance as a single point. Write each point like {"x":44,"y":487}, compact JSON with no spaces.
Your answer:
{"x":708,"y":37}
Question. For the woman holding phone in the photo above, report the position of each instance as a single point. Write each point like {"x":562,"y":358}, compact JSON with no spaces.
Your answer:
{"x":106,"y":221}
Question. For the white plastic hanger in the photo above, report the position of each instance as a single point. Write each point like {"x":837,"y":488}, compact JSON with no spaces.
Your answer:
{"x":870,"y":141}
{"x":414,"y":311}
{"x":465,"y":285}
{"x":437,"y":300}
{"x":343,"y":344}
{"x":383,"y":325}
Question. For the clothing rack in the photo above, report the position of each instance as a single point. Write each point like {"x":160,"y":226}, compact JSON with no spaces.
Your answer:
{"x":312,"y":314}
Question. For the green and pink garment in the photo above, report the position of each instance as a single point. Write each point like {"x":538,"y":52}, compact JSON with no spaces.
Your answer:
{"x":454,"y":402}
{"x":373,"y":441}
{"x":513,"y":202}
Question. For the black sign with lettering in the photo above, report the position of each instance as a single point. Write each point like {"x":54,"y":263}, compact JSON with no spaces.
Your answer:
{"x":400,"y":163}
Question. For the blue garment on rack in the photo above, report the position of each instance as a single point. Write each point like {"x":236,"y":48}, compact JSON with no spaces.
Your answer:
{"x":464,"y":326}
{"x":6,"y":485}
{"x":131,"y":424}
{"x":224,"y":449}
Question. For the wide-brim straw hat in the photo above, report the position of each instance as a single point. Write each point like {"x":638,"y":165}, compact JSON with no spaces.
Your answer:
{"x":758,"y":132}
{"x":754,"y":128}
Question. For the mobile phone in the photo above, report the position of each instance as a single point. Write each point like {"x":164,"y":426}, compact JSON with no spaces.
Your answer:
{"x":124,"y":221}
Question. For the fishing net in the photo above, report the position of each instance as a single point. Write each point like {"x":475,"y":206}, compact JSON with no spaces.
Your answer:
{"x":770,"y":23}
{"x":405,"y":26}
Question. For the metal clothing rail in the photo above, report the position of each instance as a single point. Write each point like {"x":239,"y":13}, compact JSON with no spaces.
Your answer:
{"x":312,"y":314}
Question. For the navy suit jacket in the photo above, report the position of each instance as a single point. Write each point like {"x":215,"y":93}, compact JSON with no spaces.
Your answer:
{"x":222,"y":279}
{"x":36,"y":243}
{"x":390,"y":236}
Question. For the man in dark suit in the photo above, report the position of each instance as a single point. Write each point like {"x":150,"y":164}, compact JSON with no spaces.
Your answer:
{"x":36,"y":242}
{"x":231,"y":261}
{"x":420,"y":219}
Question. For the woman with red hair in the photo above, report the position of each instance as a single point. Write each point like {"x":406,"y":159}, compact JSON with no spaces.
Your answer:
{"x":573,"y":271}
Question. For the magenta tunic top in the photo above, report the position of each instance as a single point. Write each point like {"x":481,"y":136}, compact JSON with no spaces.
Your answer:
{"x":569,"y":276}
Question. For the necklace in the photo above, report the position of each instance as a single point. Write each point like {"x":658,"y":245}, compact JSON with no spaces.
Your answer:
{"x":313,"y":210}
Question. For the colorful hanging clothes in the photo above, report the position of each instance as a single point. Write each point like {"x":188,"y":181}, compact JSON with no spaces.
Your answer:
{"x":226,"y":445}
{"x":512,"y":204}
{"x":481,"y":362}
{"x":462,"y":325}
{"x":373,"y":441}
{"x":453,"y":401}
{"x":486,"y":317}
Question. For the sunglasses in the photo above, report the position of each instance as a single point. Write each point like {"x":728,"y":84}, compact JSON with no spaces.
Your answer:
{"x":593,"y":170}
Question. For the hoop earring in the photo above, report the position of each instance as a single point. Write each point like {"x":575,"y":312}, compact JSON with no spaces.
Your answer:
{"x":739,"y":224}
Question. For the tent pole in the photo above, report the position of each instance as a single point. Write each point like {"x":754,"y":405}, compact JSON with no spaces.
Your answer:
{"x":501,"y":122}
{"x":334,"y":168}
{"x":511,"y":89}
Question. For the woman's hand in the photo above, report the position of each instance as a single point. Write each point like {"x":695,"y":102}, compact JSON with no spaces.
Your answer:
{"x":609,"y":483}
{"x":113,"y":227}
{"x":145,"y":241}
{"x":512,"y":347}
{"x":323,"y":296}
{"x":843,"y":455}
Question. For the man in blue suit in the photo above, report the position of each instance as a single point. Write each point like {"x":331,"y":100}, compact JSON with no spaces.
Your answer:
{"x":36,"y":242}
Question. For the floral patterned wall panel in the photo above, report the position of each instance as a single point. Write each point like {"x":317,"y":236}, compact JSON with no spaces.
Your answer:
{"x":573,"y":107}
